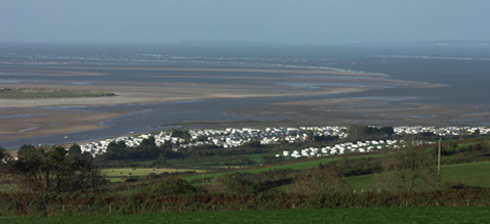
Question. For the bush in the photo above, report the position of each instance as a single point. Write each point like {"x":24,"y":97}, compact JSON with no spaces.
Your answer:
{"x":233,"y":184}
{"x":320,"y":182}
{"x":171,"y":186}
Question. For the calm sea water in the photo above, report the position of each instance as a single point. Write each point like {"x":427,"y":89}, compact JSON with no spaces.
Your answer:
{"x":463,"y":70}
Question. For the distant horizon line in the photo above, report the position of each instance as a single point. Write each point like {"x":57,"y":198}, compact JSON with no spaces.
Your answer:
{"x":249,"y":43}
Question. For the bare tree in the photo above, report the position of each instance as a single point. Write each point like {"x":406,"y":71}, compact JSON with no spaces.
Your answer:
{"x":408,"y":169}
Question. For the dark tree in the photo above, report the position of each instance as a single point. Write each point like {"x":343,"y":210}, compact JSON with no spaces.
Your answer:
{"x":24,"y":148}
{"x":148,"y":141}
{"x":254,"y":144}
{"x":5,"y":159}
{"x":358,"y":132}
{"x":75,"y":150}
{"x":181,"y":134}
{"x":235,"y":183}
{"x":4,"y":155}
{"x":121,"y":144}
{"x":170,"y":186}
{"x":53,"y":170}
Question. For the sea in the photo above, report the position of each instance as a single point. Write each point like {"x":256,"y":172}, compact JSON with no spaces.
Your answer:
{"x":462,"y":70}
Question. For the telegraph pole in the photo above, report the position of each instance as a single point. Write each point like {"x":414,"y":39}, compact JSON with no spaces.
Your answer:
{"x":439,"y":162}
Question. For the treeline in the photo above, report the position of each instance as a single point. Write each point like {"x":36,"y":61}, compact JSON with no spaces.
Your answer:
{"x":52,"y":169}
{"x":473,"y":152}
{"x":358,"y":132}
{"x":148,"y":150}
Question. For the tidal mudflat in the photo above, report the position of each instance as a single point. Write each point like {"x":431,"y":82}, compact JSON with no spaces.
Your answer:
{"x":167,"y":87}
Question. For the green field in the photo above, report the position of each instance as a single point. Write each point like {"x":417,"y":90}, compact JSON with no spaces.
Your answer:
{"x":308,"y":164}
{"x":471,"y":174}
{"x":219,"y":162}
{"x":411,"y":215}
{"x":294,"y":166}
{"x":117,"y":172}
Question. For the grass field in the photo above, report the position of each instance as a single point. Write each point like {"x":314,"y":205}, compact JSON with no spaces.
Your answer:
{"x":472,"y":174}
{"x":308,"y":164}
{"x":446,"y":215}
{"x":141,"y":171}
{"x":218,"y":162}
{"x":294,"y":166}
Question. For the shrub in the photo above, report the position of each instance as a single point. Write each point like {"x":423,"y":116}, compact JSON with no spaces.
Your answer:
{"x":320,"y":181}
{"x":171,"y":186}
{"x":233,"y":184}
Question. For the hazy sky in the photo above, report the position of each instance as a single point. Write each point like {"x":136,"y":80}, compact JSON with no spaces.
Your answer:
{"x":264,"y":21}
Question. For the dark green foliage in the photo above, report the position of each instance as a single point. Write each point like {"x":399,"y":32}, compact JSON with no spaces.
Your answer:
{"x":131,"y":180}
{"x":357,"y":132}
{"x":112,"y":148}
{"x":181,"y":134}
{"x":24,"y":148}
{"x":471,"y":152}
{"x":4,"y":155}
{"x":119,"y":151}
{"x":354,"y":167}
{"x":408,"y":169}
{"x":170,"y":186}
{"x":75,"y":150}
{"x":474,"y":148}
{"x":423,"y":136}
{"x":160,"y":161}
{"x":328,"y":215}
{"x":148,"y":151}
{"x":320,"y":181}
{"x":121,"y":144}
{"x":69,"y":204}
{"x":253,"y":144}
{"x":53,"y":169}
{"x":271,"y":159}
{"x":327,"y":138}
{"x":147,"y":142}
{"x":5,"y":159}
{"x":238,"y":183}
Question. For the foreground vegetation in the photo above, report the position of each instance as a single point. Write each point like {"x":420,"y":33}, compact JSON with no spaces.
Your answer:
{"x":50,"y":181}
{"x":445,"y":215}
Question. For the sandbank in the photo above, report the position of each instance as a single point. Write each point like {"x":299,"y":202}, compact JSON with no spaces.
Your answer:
{"x":28,"y":124}
{"x":298,"y":82}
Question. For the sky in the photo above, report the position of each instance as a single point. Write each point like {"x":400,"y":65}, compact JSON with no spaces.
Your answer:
{"x":325,"y":22}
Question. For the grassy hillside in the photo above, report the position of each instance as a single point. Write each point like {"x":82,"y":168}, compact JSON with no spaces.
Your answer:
{"x":472,"y":174}
{"x":308,"y":164}
{"x":340,"y":215}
